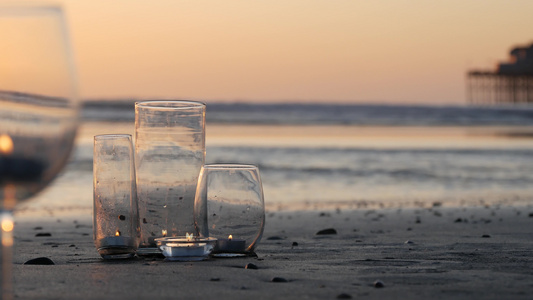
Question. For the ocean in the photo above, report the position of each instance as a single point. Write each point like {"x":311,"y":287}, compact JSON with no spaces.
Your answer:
{"x":332,"y":156}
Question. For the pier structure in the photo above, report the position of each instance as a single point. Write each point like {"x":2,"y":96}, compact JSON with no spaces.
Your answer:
{"x":510,"y":83}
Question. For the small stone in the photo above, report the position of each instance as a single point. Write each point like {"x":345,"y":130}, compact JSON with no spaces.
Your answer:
{"x":43,"y":234}
{"x":144,"y":221}
{"x":274,"y":238}
{"x":409,"y":228}
{"x":418,"y":221}
{"x":409,"y":242}
{"x":294,"y":244}
{"x":122,"y":217}
{"x":458,"y":220}
{"x":344,"y":296}
{"x":40,"y":261}
{"x":379,"y":284}
{"x":251,"y":266}
{"x":214,"y":279}
{"x":531,"y":215}
{"x":327,"y":231}
{"x":279,"y":279}
{"x":72,"y":245}
{"x":485,"y":236}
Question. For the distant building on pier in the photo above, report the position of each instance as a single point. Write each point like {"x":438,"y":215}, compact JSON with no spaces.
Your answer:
{"x":511,"y":82}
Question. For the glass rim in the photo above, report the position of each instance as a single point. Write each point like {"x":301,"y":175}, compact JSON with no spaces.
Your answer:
{"x":170,"y":104}
{"x":231,"y":166}
{"x":112,"y":136}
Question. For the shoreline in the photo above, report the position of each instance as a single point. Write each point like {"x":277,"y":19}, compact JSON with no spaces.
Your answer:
{"x":338,"y":136}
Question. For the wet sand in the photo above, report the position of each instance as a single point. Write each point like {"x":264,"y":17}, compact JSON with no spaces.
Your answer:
{"x":483,"y":252}
{"x":344,"y":136}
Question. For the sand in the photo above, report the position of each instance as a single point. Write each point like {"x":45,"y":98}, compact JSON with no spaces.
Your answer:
{"x":421,"y":253}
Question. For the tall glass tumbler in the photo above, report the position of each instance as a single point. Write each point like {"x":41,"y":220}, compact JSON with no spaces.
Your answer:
{"x":229,"y":206}
{"x":116,"y":219}
{"x":169,"y":153}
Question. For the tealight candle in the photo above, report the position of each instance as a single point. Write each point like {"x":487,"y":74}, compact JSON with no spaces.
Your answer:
{"x":230,"y":245}
{"x":112,"y":247}
{"x":188,"y":248}
{"x":117,"y":240}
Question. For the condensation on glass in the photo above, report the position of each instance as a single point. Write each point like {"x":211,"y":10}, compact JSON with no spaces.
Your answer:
{"x":169,"y":153}
{"x":230,"y":207}
{"x":116,"y":219}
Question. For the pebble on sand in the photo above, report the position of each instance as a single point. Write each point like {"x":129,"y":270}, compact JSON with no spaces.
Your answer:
{"x":379,"y":284}
{"x":279,"y":279}
{"x":344,"y":296}
{"x":43,"y":234}
{"x":486,"y":236}
{"x":40,"y":261}
{"x":294,"y":244}
{"x":251,"y":266}
{"x":327,"y":231}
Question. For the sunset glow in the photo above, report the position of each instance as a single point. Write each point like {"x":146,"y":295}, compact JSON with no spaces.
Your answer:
{"x":345,"y":51}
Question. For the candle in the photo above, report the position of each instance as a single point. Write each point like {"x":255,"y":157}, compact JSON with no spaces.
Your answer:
{"x":188,"y":248}
{"x":230,"y":245}
{"x":115,"y":241}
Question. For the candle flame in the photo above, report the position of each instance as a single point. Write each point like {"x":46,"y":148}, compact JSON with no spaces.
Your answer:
{"x":117,"y":233}
{"x":6,"y":144}
{"x":164,"y":232}
{"x":189,"y":236}
{"x":230,"y":237}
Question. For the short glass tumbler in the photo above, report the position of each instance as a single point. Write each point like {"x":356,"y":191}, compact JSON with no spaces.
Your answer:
{"x":115,"y":218}
{"x":229,"y":206}
{"x":169,"y":153}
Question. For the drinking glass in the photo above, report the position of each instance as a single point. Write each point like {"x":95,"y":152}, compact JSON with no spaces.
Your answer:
{"x":169,"y":153}
{"x":229,"y":206}
{"x":115,"y":217}
{"x":38,"y":110}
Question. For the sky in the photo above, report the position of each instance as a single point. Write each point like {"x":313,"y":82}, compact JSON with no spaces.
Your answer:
{"x":300,"y":51}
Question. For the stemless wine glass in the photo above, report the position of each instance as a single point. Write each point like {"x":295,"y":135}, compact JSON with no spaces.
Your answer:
{"x":229,"y":206}
{"x":38,"y":110}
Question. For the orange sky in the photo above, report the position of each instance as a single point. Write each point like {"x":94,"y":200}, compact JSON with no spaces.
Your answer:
{"x":300,"y":50}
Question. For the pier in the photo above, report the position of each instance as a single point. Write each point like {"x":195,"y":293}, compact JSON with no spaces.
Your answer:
{"x":510,"y":83}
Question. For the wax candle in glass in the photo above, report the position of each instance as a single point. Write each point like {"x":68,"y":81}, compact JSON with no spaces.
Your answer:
{"x":169,"y":152}
{"x":187,"y":248}
{"x":116,"y":221}
{"x":229,"y":206}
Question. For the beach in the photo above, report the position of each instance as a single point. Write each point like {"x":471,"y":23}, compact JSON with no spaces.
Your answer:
{"x":406,"y":211}
{"x":482,"y":252}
